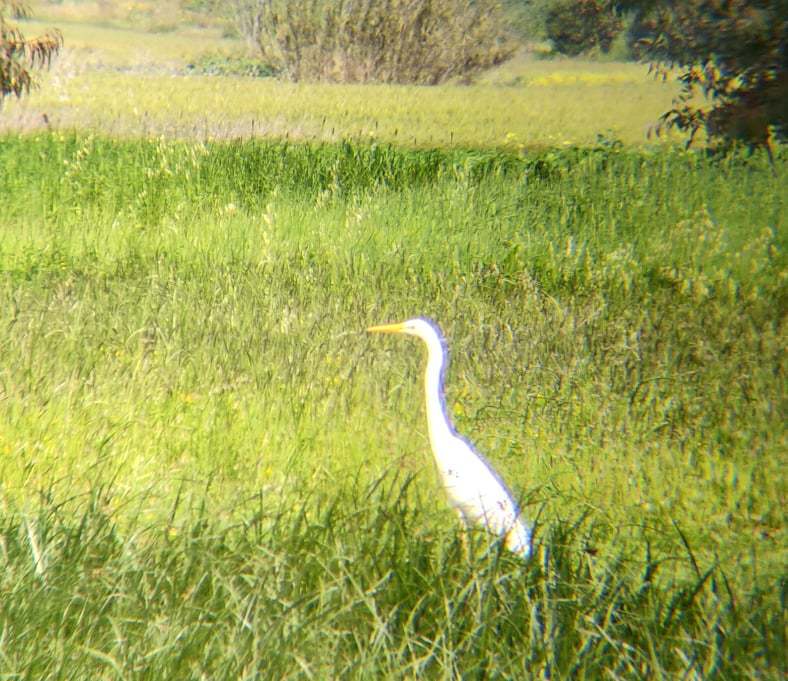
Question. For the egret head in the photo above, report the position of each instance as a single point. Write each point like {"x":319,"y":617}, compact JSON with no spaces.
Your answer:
{"x":424,"y":328}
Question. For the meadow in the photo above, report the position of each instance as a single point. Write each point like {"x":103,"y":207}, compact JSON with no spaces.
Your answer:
{"x":204,"y":452}
{"x":208,"y":469}
{"x":123,"y":81}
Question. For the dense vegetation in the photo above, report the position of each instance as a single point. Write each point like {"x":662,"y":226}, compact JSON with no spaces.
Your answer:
{"x":577,"y":26}
{"x":389,"y":41}
{"x":732,"y":57}
{"x":731,"y":54}
{"x":209,"y":469}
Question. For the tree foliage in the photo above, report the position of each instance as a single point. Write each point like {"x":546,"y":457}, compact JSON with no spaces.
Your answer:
{"x":18,"y":55}
{"x":733,"y":52}
{"x":390,"y":41}
{"x":576,"y":26}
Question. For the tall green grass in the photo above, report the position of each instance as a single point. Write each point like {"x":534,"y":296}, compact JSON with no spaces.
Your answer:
{"x":208,"y":468}
{"x":348,"y":585}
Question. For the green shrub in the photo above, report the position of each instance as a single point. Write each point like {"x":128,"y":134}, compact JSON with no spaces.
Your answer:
{"x":221,"y":64}
{"x":576,"y":26}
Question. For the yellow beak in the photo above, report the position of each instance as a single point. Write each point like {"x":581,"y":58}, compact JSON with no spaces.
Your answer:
{"x":387,"y":328}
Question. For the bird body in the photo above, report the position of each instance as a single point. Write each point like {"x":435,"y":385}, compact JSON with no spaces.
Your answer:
{"x":475,"y":490}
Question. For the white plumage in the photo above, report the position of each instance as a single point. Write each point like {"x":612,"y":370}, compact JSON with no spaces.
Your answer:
{"x":474,"y":489}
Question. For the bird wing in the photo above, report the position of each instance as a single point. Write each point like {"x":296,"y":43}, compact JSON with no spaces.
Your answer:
{"x":476,"y":490}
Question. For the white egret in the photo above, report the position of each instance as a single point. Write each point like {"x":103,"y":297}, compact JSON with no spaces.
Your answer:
{"x":475,"y":490}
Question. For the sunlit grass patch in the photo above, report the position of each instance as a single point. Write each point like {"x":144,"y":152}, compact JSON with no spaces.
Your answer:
{"x":90,"y":46}
{"x":220,"y":107}
{"x":526,"y":69}
{"x":587,"y":78}
{"x":248,"y":264}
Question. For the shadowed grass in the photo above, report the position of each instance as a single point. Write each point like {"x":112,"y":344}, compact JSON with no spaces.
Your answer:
{"x":347,"y":585}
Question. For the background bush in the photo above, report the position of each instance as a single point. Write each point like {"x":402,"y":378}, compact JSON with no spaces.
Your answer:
{"x":389,"y":41}
{"x":576,"y":26}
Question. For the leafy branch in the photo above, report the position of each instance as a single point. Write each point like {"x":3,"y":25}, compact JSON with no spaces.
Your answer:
{"x":19,"y":55}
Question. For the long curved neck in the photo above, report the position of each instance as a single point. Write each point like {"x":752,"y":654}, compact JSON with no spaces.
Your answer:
{"x":437,"y":417}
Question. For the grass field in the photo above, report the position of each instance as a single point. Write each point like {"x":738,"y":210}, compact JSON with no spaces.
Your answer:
{"x":208,"y":469}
